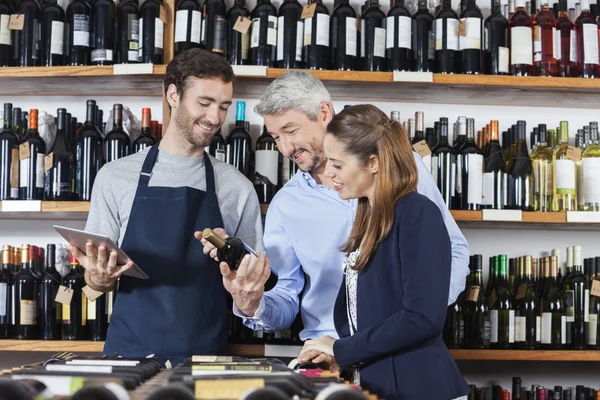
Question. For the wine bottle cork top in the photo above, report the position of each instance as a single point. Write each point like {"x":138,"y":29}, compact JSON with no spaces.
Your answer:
{"x":213,"y":238}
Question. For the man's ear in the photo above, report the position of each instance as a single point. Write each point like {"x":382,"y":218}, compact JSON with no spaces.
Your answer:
{"x":172,"y":96}
{"x":325,"y":113}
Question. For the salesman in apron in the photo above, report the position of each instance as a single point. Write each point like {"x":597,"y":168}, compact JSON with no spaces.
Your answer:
{"x":151,"y":203}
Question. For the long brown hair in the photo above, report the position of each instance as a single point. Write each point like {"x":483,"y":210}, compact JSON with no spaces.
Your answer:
{"x":364,"y":131}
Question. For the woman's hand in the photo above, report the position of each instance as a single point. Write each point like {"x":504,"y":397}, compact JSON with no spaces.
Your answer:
{"x":319,"y":351}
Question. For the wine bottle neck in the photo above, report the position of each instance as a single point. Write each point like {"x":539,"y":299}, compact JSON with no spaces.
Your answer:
{"x":91,"y":114}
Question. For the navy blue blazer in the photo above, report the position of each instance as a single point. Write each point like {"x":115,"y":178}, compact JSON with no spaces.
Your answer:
{"x":402,"y":297}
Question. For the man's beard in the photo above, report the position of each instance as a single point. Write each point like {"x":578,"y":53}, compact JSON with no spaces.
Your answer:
{"x":185,"y":125}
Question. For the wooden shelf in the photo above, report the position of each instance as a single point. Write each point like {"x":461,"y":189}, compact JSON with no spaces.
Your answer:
{"x":526,"y":355}
{"x":68,"y":210}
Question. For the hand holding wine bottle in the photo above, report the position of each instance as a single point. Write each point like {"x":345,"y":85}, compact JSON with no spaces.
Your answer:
{"x":244,"y":273}
{"x":101,"y":269}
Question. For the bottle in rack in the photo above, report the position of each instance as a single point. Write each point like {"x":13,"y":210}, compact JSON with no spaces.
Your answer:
{"x":74,"y":314}
{"x":554,"y":322}
{"x":590,"y":173}
{"x":475,"y":309}
{"x":565,"y":43}
{"x":60,"y":177}
{"x":495,"y":47}
{"x":52,"y":35}
{"x":102,"y":32}
{"x":127,"y":33}
{"x":564,"y":174}
{"x":89,"y":154}
{"x":6,"y":10}
{"x":544,"y":59}
{"x":49,"y":311}
{"x":6,"y":293}
{"x":344,"y":36}
{"x":213,"y":26}
{"x":266,"y":176}
{"x":541,"y":160}
{"x":218,"y":148}
{"x":521,"y":41}
{"x":577,"y":302}
{"x":25,"y":295}
{"x":317,"y":53}
{"x":502,"y":313}
{"x":263,"y":40}
{"x":239,"y":142}
{"x":423,"y":39}
{"x":31,"y":181}
{"x":78,"y":36}
{"x":494,"y":178}
{"x":446,"y":40}
{"x":527,"y":311}
{"x":469,"y":172}
{"x":454,"y":327}
{"x":398,"y":37}
{"x":188,"y":25}
{"x":237,"y":43}
{"x":145,"y":139}
{"x":373,"y":38}
{"x":9,"y":157}
{"x":593,"y":332}
{"x":519,"y":186}
{"x":116,"y":142}
{"x":26,"y":42}
{"x":151,"y":33}
{"x":470,"y":37}
{"x":586,"y":29}
{"x":443,"y":165}
{"x":97,"y":317}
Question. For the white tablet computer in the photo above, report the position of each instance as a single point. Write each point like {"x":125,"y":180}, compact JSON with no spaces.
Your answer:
{"x":79,"y":238}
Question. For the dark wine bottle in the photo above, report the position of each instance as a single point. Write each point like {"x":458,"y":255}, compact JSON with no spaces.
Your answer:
{"x":373,"y":38}
{"x":6,"y":10}
{"x":53,"y":33}
{"x":317,"y":53}
{"x":218,"y":148}
{"x":520,"y":175}
{"x":493,"y":176}
{"x":554,"y":322}
{"x":31,"y":182}
{"x":145,"y":139}
{"x":398,"y":37}
{"x":502,"y":314}
{"x":266,"y":176}
{"x":237,"y":43}
{"x":495,"y":46}
{"x":446,"y":40}
{"x":423,"y":40}
{"x":577,"y":302}
{"x":290,"y":35}
{"x":78,"y":38}
{"x":59,"y":178}
{"x":469,"y":172}
{"x":97,"y":318}
{"x":470,"y":35}
{"x":214,"y":26}
{"x":9,"y":157}
{"x":231,"y":250}
{"x":263,"y":40}
{"x":443,"y":165}
{"x":25,"y":289}
{"x":89,"y":154}
{"x":476,"y":310}
{"x":151,"y":39}
{"x":239,"y":142}
{"x":103,"y":32}
{"x":5,"y":293}
{"x":49,"y":311}
{"x":527,"y":311}
{"x":454,"y":326}
{"x":116,"y":142}
{"x":74,"y":315}
{"x":521,"y":41}
{"x":26,"y":42}
{"x":188,"y":25}
{"x":128,"y":32}
{"x":587,"y":43}
{"x":565,"y":38}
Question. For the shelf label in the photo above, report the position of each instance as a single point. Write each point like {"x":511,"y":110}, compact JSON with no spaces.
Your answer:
{"x":112,"y":363}
{"x":21,"y":206}
{"x":16,"y":22}
{"x":502,"y":215}
{"x":249,"y":70}
{"x":242,"y":25}
{"x":309,"y":11}
{"x":64,"y":295}
{"x":91,"y":294}
{"x":94,"y":369}
{"x":407,"y":76}
{"x":583,"y":216}
{"x":133,"y":69}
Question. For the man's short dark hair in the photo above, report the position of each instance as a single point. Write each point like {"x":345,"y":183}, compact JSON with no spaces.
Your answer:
{"x":196,"y":63}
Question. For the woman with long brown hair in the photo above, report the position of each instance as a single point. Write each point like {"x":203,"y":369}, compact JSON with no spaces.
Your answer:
{"x":391,"y":307}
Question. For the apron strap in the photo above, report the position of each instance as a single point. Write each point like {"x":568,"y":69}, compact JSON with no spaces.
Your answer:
{"x":210,"y":181}
{"x":147,"y":167}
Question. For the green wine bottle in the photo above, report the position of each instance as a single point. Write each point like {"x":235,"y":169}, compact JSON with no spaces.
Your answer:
{"x":502,"y":313}
{"x":476,"y":310}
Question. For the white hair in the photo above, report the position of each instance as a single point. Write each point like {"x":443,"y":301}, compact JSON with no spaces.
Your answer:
{"x":294,"y":90}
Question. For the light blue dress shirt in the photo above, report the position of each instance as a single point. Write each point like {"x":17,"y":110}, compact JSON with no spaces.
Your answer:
{"x":305,"y":227}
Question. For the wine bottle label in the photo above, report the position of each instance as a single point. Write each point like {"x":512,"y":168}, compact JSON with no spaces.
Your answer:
{"x":565,"y":176}
{"x":563,"y":329}
{"x":538,"y":328}
{"x":280,"y":34}
{"x":181,"y":22}
{"x":451,"y":34}
{"x":267,"y":167}
{"x":102,"y":55}
{"x":158,"y":33}
{"x":362,"y":37}
{"x":494,"y":326}
{"x":308,"y":31}
{"x":133,"y":29}
{"x":91,"y":310}
{"x":556,"y":45}
{"x":3,"y":296}
{"x":488,"y":189}
{"x":521,"y":45}
{"x":591,"y":180}
{"x":58,"y":312}
{"x":434,"y":169}
{"x":452,"y":177}
{"x":580,"y":188}
{"x":402,"y":32}
{"x":537,"y":43}
{"x":542,"y":175}
{"x":141,"y":38}
{"x":5,"y":36}
{"x":593,"y":330}
{"x":570,"y":305}
{"x":472,"y":37}
{"x":14,"y":174}
{"x":28,"y":312}
{"x":57,"y":41}
{"x":546,"y":328}
{"x":40,"y":173}
{"x":590,"y":44}
{"x":203,"y":28}
{"x":109,"y":305}
{"x":520,"y":329}
{"x":24,"y":170}
{"x":487,"y":331}
{"x":323,"y":30}
{"x":272,"y":30}
{"x":196,"y":27}
{"x":503,"y":59}
{"x":573,"y":52}
{"x":586,"y":305}
{"x":431,"y":48}
{"x":299,"y":40}
{"x":37,"y":38}
{"x":459,"y":168}
{"x":81,"y":30}
{"x":220,"y":154}
{"x":351,"y":36}
{"x":255,"y":35}
{"x":475,"y":190}
{"x":379,"y":43}
{"x":511,"y":326}
{"x":83,"y":309}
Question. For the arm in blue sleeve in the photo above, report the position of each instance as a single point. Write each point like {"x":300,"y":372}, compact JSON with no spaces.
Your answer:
{"x":425,"y":279}
{"x":460,"y":247}
{"x":281,"y":304}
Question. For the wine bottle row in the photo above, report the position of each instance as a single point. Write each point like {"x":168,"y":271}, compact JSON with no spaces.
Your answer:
{"x":537,"y":392}
{"x":528,"y":304}
{"x":480,"y":171}
{"x":31,"y":169}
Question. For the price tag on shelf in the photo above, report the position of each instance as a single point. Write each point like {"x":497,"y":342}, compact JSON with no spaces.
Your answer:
{"x":249,"y":70}
{"x":64,"y":295}
{"x":422,"y":148}
{"x":309,"y":11}
{"x":595,"y":288}
{"x":48,"y":162}
{"x":521,"y":292}
{"x":583,"y":216}
{"x":407,"y":76}
{"x":574,"y":153}
{"x":91,"y":294}
{"x":242,"y":25}
{"x":473,"y":293}
{"x":16,"y":22}
{"x":163,"y":14}
{"x":502,"y":215}
{"x":21,"y":206}
{"x":133,"y":69}
{"x":492,"y":299}
{"x":24,"y":152}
